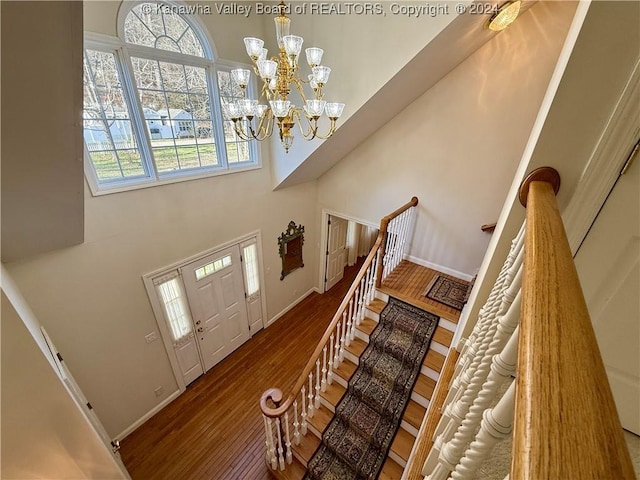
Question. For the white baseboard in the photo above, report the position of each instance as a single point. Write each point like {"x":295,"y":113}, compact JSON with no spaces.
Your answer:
{"x":293,"y":304}
{"x":440,"y":268}
{"x":148,"y":415}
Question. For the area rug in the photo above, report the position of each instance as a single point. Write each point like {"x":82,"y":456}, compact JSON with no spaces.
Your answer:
{"x":447,"y":291}
{"x":356,"y":442}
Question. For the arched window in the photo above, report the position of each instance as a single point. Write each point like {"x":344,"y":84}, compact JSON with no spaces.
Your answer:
{"x":152,"y":103}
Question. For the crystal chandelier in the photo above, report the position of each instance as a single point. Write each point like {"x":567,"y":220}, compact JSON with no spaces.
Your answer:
{"x":280,"y":74}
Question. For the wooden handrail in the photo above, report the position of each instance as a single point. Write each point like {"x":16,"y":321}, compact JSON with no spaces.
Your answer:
{"x":274,"y":395}
{"x":566,"y":425}
{"x":384,"y":223}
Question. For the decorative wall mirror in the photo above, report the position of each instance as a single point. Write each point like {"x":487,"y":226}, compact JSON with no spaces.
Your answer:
{"x":290,"y":242}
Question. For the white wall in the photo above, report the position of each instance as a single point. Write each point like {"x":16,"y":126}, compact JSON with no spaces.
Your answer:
{"x":581,"y":99}
{"x":44,"y":432}
{"x":364,"y":52}
{"x":457,"y":147}
{"x":91,"y":297}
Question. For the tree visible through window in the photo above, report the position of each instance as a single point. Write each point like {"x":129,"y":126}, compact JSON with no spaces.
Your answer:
{"x":152,"y":106}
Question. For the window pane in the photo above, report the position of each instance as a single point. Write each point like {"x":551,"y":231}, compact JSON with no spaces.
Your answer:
{"x":213,"y":267}
{"x":108,"y":131}
{"x":174,"y":304}
{"x":164,"y":89}
{"x":156,"y":25}
{"x":250,"y":256}
{"x":237,"y":149}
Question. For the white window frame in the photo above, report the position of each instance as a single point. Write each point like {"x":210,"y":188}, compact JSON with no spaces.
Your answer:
{"x":123,"y":53}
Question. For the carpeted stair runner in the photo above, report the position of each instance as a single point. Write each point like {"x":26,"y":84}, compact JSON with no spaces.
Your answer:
{"x":356,"y":442}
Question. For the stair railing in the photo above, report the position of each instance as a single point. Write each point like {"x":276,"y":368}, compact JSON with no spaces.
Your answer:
{"x":560,"y":407}
{"x":395,"y":229}
{"x":286,"y":421}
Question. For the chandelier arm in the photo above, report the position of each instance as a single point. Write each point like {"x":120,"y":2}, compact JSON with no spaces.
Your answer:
{"x":332,"y":129}
{"x":312,"y":126}
{"x":264,"y":130}
{"x":238,"y":128}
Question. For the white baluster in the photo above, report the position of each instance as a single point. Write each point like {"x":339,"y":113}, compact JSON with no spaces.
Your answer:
{"x":280,"y":449}
{"x":478,"y":395}
{"x":272,"y":449}
{"x":372,"y":278}
{"x":287,"y":439}
{"x":310,"y":396}
{"x":330,"y":372}
{"x":364,"y":302}
{"x":361,"y":305}
{"x":369,"y":296}
{"x":348,"y":332}
{"x":337,"y":360}
{"x":267,"y":438}
{"x":496,"y":424}
{"x":296,"y":424}
{"x":323,"y":385}
{"x":303,"y":413}
{"x":342,"y":336}
{"x":317,"y":397}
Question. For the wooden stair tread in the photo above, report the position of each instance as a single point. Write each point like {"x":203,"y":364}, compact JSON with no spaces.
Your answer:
{"x":434,"y":360}
{"x":346,"y":369}
{"x":334,"y":393}
{"x":308,"y":445}
{"x":443,"y":336}
{"x":414,"y":414}
{"x":402,"y":444}
{"x":321,"y":418}
{"x":424,"y":386}
{"x":390,"y":470}
{"x":377,"y":305}
{"x":356,"y":347}
{"x":367,"y":325}
{"x":295,"y":471}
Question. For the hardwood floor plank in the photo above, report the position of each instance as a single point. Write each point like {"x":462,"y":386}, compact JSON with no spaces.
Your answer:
{"x":409,"y":283}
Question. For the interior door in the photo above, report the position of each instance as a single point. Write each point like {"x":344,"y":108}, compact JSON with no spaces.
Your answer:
{"x":336,"y":250}
{"x":215,"y":291}
{"x":608,"y":264}
{"x":81,"y":400}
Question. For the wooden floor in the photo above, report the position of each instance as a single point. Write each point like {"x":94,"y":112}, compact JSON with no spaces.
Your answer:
{"x":409,"y":282}
{"x":215,"y":430}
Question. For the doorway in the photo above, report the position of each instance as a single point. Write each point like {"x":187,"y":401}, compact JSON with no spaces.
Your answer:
{"x":207,"y":306}
{"x":346,"y":240}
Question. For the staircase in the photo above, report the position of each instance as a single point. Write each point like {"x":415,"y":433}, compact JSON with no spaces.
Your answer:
{"x":411,"y":420}
{"x":294,"y":426}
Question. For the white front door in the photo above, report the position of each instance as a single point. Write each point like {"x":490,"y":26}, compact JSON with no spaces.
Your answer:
{"x":216,"y":296}
{"x":608,"y":264}
{"x":336,"y":250}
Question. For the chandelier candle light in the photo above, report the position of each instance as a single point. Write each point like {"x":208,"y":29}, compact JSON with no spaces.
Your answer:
{"x":253,"y":120}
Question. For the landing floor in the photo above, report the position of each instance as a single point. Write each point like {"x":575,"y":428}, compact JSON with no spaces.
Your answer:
{"x":409,"y":282}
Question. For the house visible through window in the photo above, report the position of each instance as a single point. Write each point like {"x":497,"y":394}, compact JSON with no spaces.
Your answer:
{"x":152,"y":105}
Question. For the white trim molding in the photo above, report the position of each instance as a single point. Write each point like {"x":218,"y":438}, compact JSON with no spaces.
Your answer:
{"x":434,"y":266}
{"x":291,"y":305}
{"x":604,"y":165}
{"x":148,"y":415}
